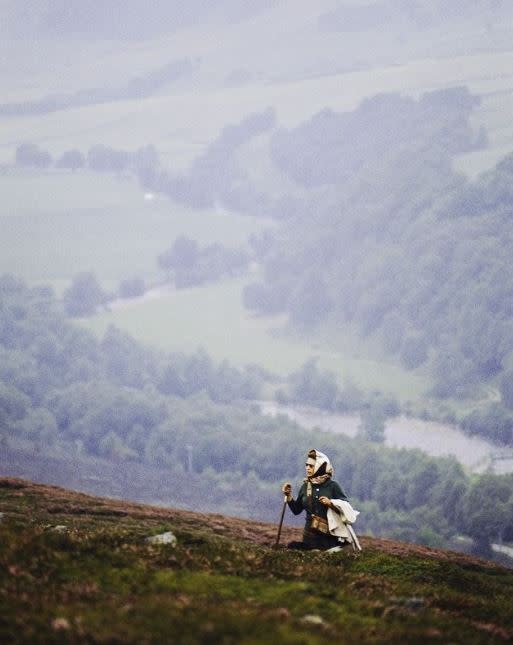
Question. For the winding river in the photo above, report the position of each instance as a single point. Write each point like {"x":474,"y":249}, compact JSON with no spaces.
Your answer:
{"x":435,"y":439}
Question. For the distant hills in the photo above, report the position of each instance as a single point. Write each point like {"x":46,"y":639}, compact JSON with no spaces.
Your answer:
{"x":133,"y":19}
{"x":125,"y":19}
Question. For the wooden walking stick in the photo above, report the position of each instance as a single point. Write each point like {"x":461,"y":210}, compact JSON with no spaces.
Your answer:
{"x":281,"y":522}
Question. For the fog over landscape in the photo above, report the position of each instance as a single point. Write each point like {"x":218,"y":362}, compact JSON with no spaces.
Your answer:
{"x":234,"y":230}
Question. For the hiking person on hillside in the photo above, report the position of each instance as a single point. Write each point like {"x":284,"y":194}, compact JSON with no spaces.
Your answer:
{"x":328,"y":513}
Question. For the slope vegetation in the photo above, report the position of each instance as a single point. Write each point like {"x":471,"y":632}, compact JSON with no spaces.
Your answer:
{"x":95,"y":578}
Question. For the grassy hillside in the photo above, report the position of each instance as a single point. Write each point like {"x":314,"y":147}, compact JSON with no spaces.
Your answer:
{"x":96,"y":579}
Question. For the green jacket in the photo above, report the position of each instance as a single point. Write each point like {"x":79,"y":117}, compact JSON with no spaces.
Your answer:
{"x":329,"y":489}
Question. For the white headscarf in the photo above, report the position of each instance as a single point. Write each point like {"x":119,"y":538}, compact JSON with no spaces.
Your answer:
{"x":318,"y":458}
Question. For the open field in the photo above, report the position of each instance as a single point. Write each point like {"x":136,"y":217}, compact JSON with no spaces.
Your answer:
{"x":67,"y":223}
{"x":178,"y":124}
{"x":214,"y":318}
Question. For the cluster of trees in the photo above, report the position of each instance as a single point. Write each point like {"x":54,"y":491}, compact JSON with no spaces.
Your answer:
{"x":189,"y":265}
{"x":217,"y":176}
{"x":85,"y":295}
{"x":66,"y":392}
{"x":32,"y":155}
{"x":425,"y":499}
{"x":319,"y":388}
{"x":143,"y":162}
{"x":43,"y":353}
{"x":185,"y":264}
{"x":395,"y":241}
{"x":332,"y":148}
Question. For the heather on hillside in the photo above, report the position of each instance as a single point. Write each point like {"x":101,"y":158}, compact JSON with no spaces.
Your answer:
{"x":81,"y":569}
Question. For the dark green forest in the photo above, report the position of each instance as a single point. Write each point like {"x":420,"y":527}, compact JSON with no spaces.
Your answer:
{"x":396,"y":242}
{"x":66,"y":394}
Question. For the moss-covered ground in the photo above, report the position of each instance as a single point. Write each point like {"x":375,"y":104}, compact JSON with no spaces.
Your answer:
{"x":98,"y":580}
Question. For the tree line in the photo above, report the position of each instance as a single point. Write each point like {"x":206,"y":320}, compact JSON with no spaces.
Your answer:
{"x":64,"y":392}
{"x":395,"y":242}
{"x":183,"y":264}
{"x":214,"y":177}
{"x":376,"y":230}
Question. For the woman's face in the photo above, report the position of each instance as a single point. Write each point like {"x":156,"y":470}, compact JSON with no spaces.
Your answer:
{"x":309,"y":469}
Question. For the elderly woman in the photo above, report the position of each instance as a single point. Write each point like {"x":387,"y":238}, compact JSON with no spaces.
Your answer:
{"x":317,"y":495}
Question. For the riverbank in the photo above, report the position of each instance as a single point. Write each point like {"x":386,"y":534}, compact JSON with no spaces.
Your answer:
{"x":435,"y":439}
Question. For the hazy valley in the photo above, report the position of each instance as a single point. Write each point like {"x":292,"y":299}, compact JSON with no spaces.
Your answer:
{"x":218,"y":210}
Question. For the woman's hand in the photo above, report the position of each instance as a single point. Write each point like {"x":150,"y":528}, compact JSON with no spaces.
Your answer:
{"x":286,"y":489}
{"x":325,"y":500}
